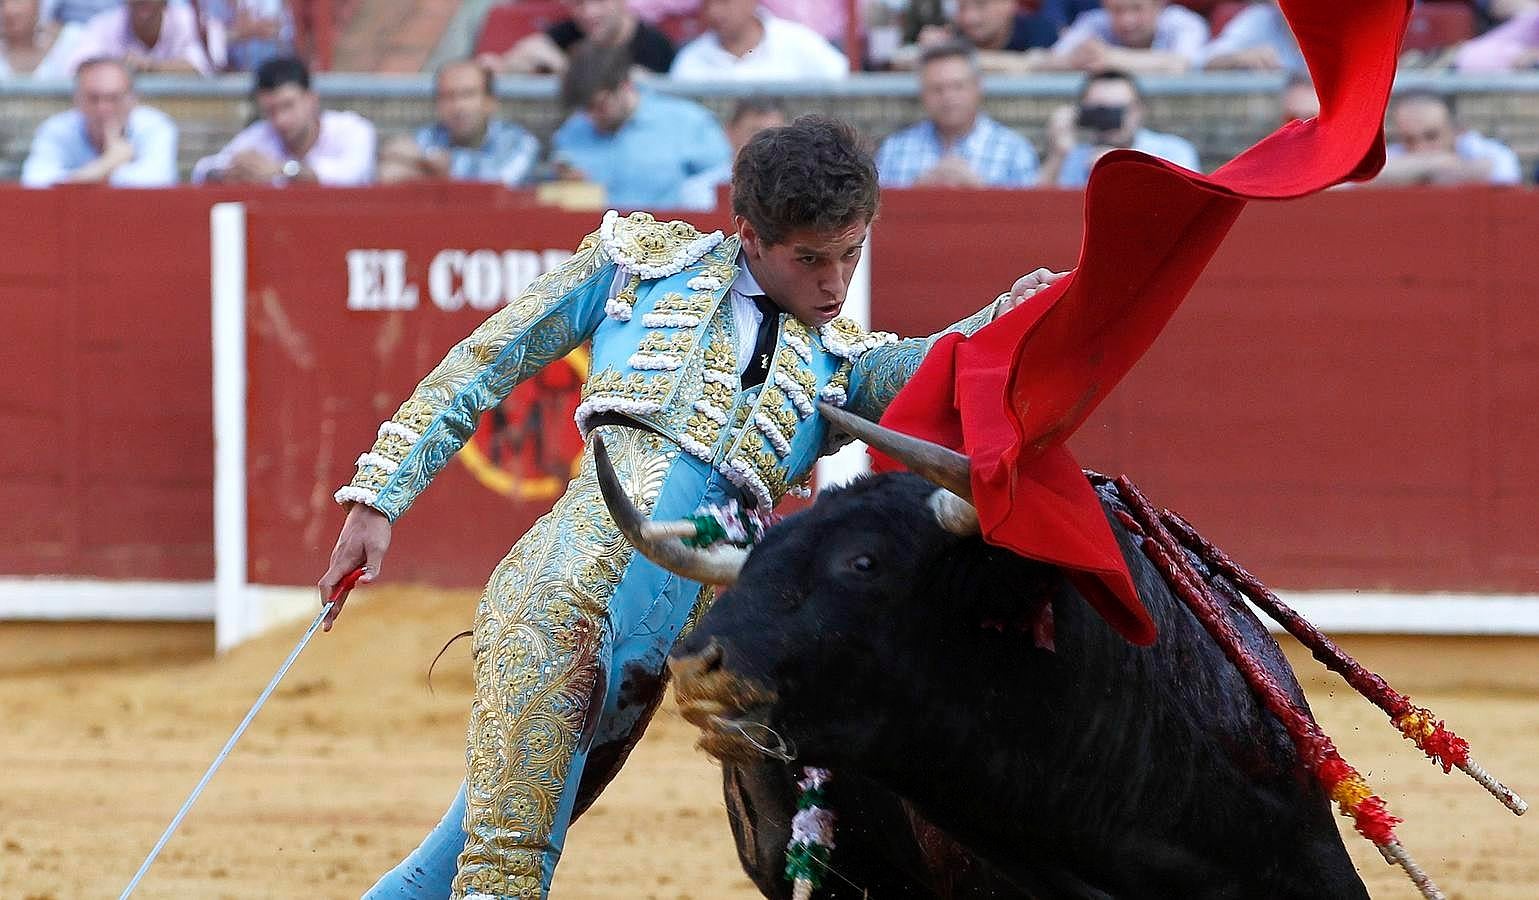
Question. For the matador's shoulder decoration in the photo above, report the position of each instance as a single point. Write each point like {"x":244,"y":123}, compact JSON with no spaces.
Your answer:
{"x":844,"y":338}
{"x":647,"y":248}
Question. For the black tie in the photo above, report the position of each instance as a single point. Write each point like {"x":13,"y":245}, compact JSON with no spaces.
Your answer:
{"x":764,"y":342}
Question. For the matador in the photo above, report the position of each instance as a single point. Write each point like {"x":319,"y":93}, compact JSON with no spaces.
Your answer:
{"x":708,"y":352}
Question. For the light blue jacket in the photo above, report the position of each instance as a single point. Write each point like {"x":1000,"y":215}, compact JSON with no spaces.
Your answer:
{"x":652,"y":297}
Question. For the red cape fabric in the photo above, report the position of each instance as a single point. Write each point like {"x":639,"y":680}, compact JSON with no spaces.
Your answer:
{"x":1010,"y":395}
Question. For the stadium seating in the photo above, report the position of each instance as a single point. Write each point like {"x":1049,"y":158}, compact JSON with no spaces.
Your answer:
{"x":507,"y":23}
{"x":1441,"y":24}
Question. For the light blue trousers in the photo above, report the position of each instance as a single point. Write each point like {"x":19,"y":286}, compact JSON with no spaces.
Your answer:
{"x":642,"y":619}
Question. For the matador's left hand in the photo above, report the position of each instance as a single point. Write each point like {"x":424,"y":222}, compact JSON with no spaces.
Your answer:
{"x":1026,"y":287}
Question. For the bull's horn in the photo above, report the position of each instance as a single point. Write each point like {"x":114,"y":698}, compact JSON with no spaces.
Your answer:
{"x":953,"y":513}
{"x":657,"y":541}
{"x":939,"y":465}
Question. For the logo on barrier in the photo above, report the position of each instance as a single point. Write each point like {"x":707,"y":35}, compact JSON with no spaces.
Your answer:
{"x":478,"y":279}
{"x":528,"y":448}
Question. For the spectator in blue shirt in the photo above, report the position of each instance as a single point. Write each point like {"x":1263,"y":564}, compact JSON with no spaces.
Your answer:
{"x":107,"y":137}
{"x":1109,"y":114}
{"x":957,"y":145}
{"x":468,"y":142}
{"x":639,"y":145}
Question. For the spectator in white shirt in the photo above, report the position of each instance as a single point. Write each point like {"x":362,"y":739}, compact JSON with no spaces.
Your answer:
{"x":107,"y":138}
{"x":745,"y":43}
{"x":1430,"y":148}
{"x":295,"y":141}
{"x":152,"y":36}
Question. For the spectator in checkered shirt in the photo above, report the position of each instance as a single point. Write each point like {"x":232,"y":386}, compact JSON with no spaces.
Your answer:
{"x":957,"y":145}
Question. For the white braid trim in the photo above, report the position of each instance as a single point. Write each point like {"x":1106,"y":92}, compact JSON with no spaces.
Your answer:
{"x":695,"y":448}
{"x":722,"y":378}
{"x":383,"y":463}
{"x":686,"y":254}
{"x":661,"y":362}
{"x":801,"y":347}
{"x":669,"y":320}
{"x":853,"y":350}
{"x":627,"y":405}
{"x":351,"y":494}
{"x":400,"y":431}
{"x":792,"y":389}
{"x":617,"y":309}
{"x":742,"y":474}
{"x":711,"y":411}
{"x":833,"y":393}
{"x":770,"y":430}
{"x":704,"y":283}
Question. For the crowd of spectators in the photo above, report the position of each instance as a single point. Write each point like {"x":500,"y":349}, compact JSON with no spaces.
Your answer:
{"x":642,"y":147}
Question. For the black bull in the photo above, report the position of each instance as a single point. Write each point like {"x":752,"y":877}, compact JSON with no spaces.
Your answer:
{"x":865,"y":637}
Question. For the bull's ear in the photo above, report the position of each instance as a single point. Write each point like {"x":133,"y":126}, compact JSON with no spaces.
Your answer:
{"x":953,"y":513}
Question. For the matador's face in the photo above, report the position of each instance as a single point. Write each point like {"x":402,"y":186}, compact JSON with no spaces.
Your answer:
{"x":808,"y":273}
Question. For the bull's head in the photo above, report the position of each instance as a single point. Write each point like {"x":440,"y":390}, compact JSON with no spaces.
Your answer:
{"x":810,"y":610}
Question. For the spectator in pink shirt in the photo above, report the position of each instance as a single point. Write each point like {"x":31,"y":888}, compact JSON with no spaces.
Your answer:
{"x":151,"y":36}
{"x":1505,"y":48}
{"x":295,"y":141}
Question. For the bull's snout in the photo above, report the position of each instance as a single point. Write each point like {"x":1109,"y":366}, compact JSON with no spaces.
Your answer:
{"x":716,"y":700}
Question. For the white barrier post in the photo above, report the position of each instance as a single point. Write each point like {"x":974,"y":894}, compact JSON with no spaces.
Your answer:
{"x":227,"y":223}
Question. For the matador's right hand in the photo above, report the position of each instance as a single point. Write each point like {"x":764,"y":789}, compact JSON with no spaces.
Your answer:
{"x":364,"y":539}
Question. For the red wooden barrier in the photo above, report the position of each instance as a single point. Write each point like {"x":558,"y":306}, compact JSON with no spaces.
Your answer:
{"x":1347,"y":399}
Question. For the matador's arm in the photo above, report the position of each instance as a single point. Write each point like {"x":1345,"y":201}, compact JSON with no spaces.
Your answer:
{"x":882,"y":371}
{"x":553,"y":316}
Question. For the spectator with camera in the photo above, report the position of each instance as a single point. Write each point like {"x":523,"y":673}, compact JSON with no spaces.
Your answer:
{"x":1109,"y":114}
{"x":957,"y":144}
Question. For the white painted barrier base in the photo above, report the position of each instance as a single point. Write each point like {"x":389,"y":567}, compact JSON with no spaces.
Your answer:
{"x":264,"y":606}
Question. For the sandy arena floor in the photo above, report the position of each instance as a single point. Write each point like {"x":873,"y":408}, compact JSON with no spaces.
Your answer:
{"x":106,"y":728}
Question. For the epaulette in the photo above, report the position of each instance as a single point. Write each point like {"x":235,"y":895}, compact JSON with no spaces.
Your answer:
{"x":645,"y":247}
{"x":844,"y":338}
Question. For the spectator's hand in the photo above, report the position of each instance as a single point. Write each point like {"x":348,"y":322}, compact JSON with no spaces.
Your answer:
{"x":492,"y":61}
{"x":253,"y":166}
{"x":565,"y":171}
{"x":930,"y":35}
{"x":1061,"y":136}
{"x":1090,"y":56}
{"x":1026,"y":287}
{"x":364,"y":539}
{"x":116,"y":149}
{"x":435,"y":163}
{"x":1250,"y":59}
{"x":951,"y":171}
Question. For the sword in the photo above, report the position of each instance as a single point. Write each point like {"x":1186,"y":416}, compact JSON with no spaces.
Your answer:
{"x":341,"y":591}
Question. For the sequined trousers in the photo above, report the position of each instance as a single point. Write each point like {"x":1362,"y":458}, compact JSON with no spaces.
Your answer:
{"x":570,"y":641}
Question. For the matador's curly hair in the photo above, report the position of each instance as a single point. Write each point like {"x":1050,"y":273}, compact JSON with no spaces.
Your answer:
{"x":816,"y":173}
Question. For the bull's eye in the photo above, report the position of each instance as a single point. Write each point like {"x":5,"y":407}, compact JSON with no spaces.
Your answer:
{"x":863,"y":564}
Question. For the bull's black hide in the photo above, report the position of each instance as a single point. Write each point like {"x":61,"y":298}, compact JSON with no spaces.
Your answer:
{"x":890,"y":651}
